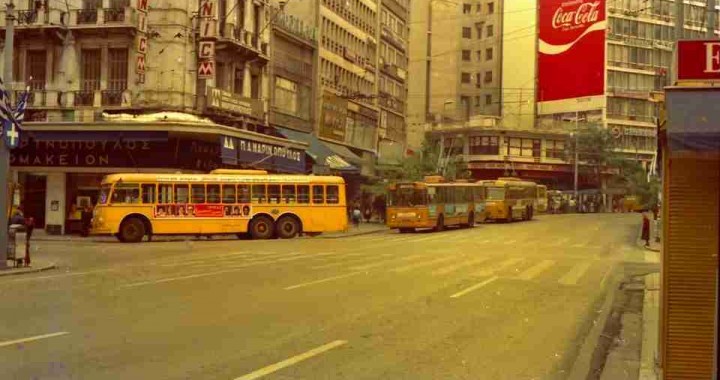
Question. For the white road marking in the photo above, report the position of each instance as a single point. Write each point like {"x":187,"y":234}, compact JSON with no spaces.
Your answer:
{"x":454,"y":267}
{"x":498,"y":267}
{"x":32,"y":338}
{"x":304,"y":284}
{"x":578,"y":245}
{"x":572,"y":277}
{"x":606,"y":275}
{"x":433,"y":237}
{"x":474,"y":287}
{"x":535,"y":270}
{"x":391,"y":261}
{"x":352,"y":261}
{"x":291,"y":361}
{"x":421,"y":264}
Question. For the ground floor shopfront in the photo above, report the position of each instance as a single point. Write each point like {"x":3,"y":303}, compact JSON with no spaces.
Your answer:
{"x":60,"y":170}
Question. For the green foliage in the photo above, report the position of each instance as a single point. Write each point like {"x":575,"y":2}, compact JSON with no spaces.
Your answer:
{"x":635,"y":180}
{"x":425,"y":163}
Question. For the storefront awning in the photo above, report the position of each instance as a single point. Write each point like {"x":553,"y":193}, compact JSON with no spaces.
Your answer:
{"x":319,"y":151}
{"x":344,"y":152}
{"x":693,"y":119}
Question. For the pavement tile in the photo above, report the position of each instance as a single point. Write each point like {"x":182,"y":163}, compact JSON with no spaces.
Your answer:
{"x":36,"y":266}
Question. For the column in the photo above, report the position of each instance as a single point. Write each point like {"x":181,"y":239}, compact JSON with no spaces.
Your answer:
{"x":55,"y":204}
{"x":248,"y":15}
{"x":247,"y":89}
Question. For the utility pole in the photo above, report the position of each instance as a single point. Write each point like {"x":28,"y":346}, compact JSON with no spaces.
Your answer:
{"x":575,"y":160}
{"x":5,"y":179}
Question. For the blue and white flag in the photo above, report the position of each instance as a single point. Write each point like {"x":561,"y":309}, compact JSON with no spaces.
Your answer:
{"x":6,"y":112}
{"x":19,"y":114}
{"x":11,"y":134}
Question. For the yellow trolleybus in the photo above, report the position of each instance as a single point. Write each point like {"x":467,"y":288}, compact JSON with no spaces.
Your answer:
{"x":434,"y":204}
{"x":510,"y":199}
{"x":133,"y":205}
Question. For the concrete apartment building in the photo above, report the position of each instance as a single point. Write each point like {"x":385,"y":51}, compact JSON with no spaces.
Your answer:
{"x":455,"y":61}
{"x":530,"y":138}
{"x":104,"y":75}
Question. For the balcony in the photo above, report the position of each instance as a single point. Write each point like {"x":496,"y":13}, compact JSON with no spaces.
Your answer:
{"x":114,"y":15}
{"x":242,"y":41}
{"x":84,"y":98}
{"x":27,"y":17}
{"x":112,"y":98}
{"x":87,"y":16}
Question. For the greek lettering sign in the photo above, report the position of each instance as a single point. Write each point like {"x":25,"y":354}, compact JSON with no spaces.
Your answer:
{"x":207,"y":49}
{"x":206,"y":69}
{"x":227,"y":101}
{"x":261,"y":154}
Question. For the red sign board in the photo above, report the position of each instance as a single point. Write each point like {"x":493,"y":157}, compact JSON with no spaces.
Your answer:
{"x":699,"y":60}
{"x":571,"y":49}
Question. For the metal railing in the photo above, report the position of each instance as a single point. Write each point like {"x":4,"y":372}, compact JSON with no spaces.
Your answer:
{"x":114,"y":14}
{"x":84,"y":98}
{"x":87,"y":16}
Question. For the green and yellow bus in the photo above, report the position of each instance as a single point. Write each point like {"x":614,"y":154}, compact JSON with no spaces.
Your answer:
{"x":508,"y":199}
{"x":434,"y":204}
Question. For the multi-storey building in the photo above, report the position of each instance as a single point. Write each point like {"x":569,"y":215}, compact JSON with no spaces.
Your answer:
{"x":104,"y":76}
{"x":392,"y":79}
{"x":455,"y":60}
{"x":347,"y":76}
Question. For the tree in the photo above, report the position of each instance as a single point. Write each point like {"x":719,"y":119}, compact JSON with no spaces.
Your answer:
{"x":428,"y":162}
{"x":596,"y":150}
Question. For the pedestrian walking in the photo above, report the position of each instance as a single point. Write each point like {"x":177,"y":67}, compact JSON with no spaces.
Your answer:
{"x":356,"y":216}
{"x":646,"y":229}
{"x":86,"y":220}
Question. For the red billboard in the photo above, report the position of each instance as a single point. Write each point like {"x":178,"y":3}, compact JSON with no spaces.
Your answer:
{"x":571,"y":49}
{"x":699,"y":60}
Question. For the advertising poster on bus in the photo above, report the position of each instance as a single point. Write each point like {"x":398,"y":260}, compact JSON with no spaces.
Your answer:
{"x":238,"y":211}
{"x":571,"y":49}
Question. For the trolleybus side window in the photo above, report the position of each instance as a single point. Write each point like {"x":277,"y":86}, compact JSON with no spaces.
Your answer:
{"x":333,"y":194}
{"x":273,"y":193}
{"x":258,"y":194}
{"x":303,"y":193}
{"x":198,"y":193}
{"x":228,"y":194}
{"x":318,"y":194}
{"x":148,"y":193}
{"x":213,"y":193}
{"x":288,"y":193}
{"x":243,"y":193}
{"x":182,"y":194}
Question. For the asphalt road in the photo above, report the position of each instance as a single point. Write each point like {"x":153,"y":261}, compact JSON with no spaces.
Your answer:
{"x":499,"y":301}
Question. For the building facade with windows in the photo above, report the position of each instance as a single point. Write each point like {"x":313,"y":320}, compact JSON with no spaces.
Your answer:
{"x":455,"y":59}
{"x":139,"y":86}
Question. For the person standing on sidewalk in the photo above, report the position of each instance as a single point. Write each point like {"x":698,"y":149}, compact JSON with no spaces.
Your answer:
{"x":646,"y":229}
{"x":356,"y":216}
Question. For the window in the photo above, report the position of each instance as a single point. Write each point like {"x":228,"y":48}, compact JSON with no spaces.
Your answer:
{"x":484,"y":145}
{"x":488,"y":77}
{"x":258,"y":193}
{"x":466,"y":32}
{"x":488,"y":54}
{"x":213,"y":193}
{"x":117,"y":69}
{"x":523,"y":147}
{"x":478,"y":55}
{"x":273,"y":193}
{"x":466,"y":55}
{"x":148,"y":193}
{"x":465,"y":77}
{"x":333,"y":194}
{"x":243,"y":194}
{"x":555,"y":149}
{"x":491,"y":8}
{"x":478,"y":80}
{"x":165,"y":194}
{"x":126,"y":193}
{"x":36,"y":63}
{"x":90,"y":69}
{"x":255,"y":86}
{"x":288,"y":193}
{"x":490,"y":31}
{"x":467,"y":8}
{"x":182,"y":194}
{"x":286,"y":95}
{"x":228,"y":194}
{"x":303,"y":193}
{"x":478,"y":29}
{"x":238,"y":81}
{"x":198,"y":193}
{"x":477,"y":101}
{"x":478,"y":8}
{"x":318,"y":194}
{"x":488,"y":100}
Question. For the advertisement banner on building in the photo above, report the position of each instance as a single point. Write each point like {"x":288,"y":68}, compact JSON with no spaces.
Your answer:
{"x":698,"y":60}
{"x":571,"y":49}
{"x":334,"y":117}
{"x":263,"y":155}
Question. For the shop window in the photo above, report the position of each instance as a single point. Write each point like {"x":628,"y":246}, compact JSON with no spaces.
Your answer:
{"x":484,"y":145}
{"x":273,"y":193}
{"x":228,"y":193}
{"x":555,"y":149}
{"x":288,"y":193}
{"x":258,"y":194}
{"x":148,"y":193}
{"x":333,"y":194}
{"x":182,"y":194}
{"x":318,"y":193}
{"x":213,"y":193}
{"x":126,"y":193}
{"x":303,"y":194}
{"x":165,"y":193}
{"x":198,"y":193}
{"x":243,"y":194}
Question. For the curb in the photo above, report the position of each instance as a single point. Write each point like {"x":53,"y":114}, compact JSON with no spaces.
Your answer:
{"x":583,"y":361}
{"x":17,"y":272}
{"x":358,"y":234}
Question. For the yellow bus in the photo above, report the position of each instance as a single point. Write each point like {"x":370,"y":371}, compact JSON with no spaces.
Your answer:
{"x":434,"y":204}
{"x":541,"y":203}
{"x":509,"y":198}
{"x":133,"y":205}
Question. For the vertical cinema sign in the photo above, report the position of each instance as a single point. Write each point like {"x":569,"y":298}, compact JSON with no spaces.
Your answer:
{"x":206,"y":44}
{"x":141,"y":41}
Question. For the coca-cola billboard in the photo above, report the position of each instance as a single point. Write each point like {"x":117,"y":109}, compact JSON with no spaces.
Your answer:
{"x":571,"y":49}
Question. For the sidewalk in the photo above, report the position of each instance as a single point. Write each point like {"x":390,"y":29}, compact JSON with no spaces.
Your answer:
{"x":36,"y":266}
{"x":363,"y":229}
